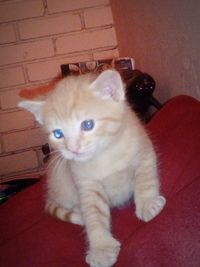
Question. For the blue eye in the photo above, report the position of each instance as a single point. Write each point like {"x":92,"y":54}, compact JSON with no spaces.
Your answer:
{"x":58,"y":133}
{"x":87,"y":125}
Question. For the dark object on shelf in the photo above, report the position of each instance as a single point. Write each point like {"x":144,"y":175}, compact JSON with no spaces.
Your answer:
{"x":10,"y":188}
{"x":65,"y":70}
{"x":139,"y":93}
{"x":46,"y":151}
{"x":122,"y":64}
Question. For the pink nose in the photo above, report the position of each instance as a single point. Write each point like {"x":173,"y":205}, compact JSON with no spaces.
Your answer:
{"x":74,"y":149}
{"x":75,"y":152}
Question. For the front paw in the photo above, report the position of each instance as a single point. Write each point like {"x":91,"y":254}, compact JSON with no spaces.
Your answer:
{"x":150,"y":208}
{"x":104,"y":255}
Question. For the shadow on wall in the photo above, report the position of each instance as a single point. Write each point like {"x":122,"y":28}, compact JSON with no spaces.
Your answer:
{"x":163,"y":37}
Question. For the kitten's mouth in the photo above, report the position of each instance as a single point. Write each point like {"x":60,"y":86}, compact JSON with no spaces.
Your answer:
{"x":80,"y":155}
{"x":76,"y":155}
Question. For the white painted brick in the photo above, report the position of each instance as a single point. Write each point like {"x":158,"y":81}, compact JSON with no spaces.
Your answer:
{"x":98,"y":16}
{"x":86,"y":41}
{"x":18,"y":162}
{"x":107,"y":54}
{"x":9,"y":98}
{"x":66,"y":5}
{"x":15,"y":10}
{"x":26,"y":51}
{"x":23,"y":139}
{"x":51,"y":69}
{"x":16,"y":120}
{"x":11,"y":76}
{"x":48,"y":26}
{"x":7,"y":34}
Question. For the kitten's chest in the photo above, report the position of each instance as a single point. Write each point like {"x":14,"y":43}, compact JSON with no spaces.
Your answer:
{"x":119,"y":186}
{"x":117,"y":182}
{"x":98,"y":170}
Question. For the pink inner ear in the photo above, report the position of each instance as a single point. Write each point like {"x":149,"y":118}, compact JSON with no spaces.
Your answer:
{"x":110,"y":91}
{"x":109,"y":86}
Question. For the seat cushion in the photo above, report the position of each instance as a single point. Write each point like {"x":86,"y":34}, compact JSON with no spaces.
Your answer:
{"x":29,"y":237}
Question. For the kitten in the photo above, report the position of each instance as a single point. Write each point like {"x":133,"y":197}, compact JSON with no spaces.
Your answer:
{"x":104,"y":156}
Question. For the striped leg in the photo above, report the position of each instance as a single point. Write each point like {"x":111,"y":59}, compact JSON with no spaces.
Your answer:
{"x":103,"y":248}
{"x":148,"y":200}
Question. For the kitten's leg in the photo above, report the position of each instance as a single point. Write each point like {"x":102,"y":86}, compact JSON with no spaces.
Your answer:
{"x":103,"y":248}
{"x":148,"y":200}
{"x":64,"y":214}
{"x":62,"y":199}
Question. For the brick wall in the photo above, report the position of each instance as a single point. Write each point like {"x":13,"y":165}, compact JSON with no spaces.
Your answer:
{"x":36,"y":37}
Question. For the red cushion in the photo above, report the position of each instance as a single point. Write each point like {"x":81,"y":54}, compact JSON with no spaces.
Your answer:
{"x":30,"y":238}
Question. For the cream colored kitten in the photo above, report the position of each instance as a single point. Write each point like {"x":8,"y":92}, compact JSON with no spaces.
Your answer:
{"x":104,"y":156}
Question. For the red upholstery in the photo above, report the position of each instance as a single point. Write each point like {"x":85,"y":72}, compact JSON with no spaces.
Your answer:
{"x":29,"y":238}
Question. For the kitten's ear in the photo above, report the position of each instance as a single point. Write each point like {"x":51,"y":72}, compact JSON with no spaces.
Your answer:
{"x":109,"y":85}
{"x":34,"y":107}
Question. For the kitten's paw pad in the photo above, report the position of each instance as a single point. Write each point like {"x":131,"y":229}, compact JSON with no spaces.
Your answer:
{"x":103,"y":256}
{"x":151,"y":208}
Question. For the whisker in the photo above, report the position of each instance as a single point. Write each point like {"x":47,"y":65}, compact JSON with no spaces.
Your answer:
{"x":57,"y":163}
{"x":54,"y":152}
{"x":54,"y":159}
{"x":60,"y":161}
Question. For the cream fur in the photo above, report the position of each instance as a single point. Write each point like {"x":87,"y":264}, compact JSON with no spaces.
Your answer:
{"x":98,"y":169}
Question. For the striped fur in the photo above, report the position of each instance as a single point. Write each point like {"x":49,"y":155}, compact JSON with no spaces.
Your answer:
{"x":92,"y":171}
{"x":63,"y":214}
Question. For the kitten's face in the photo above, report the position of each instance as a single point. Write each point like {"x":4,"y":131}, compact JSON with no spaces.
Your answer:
{"x":80,"y":118}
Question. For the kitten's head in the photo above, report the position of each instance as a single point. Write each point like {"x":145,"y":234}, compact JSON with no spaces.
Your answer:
{"x":82,"y":115}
